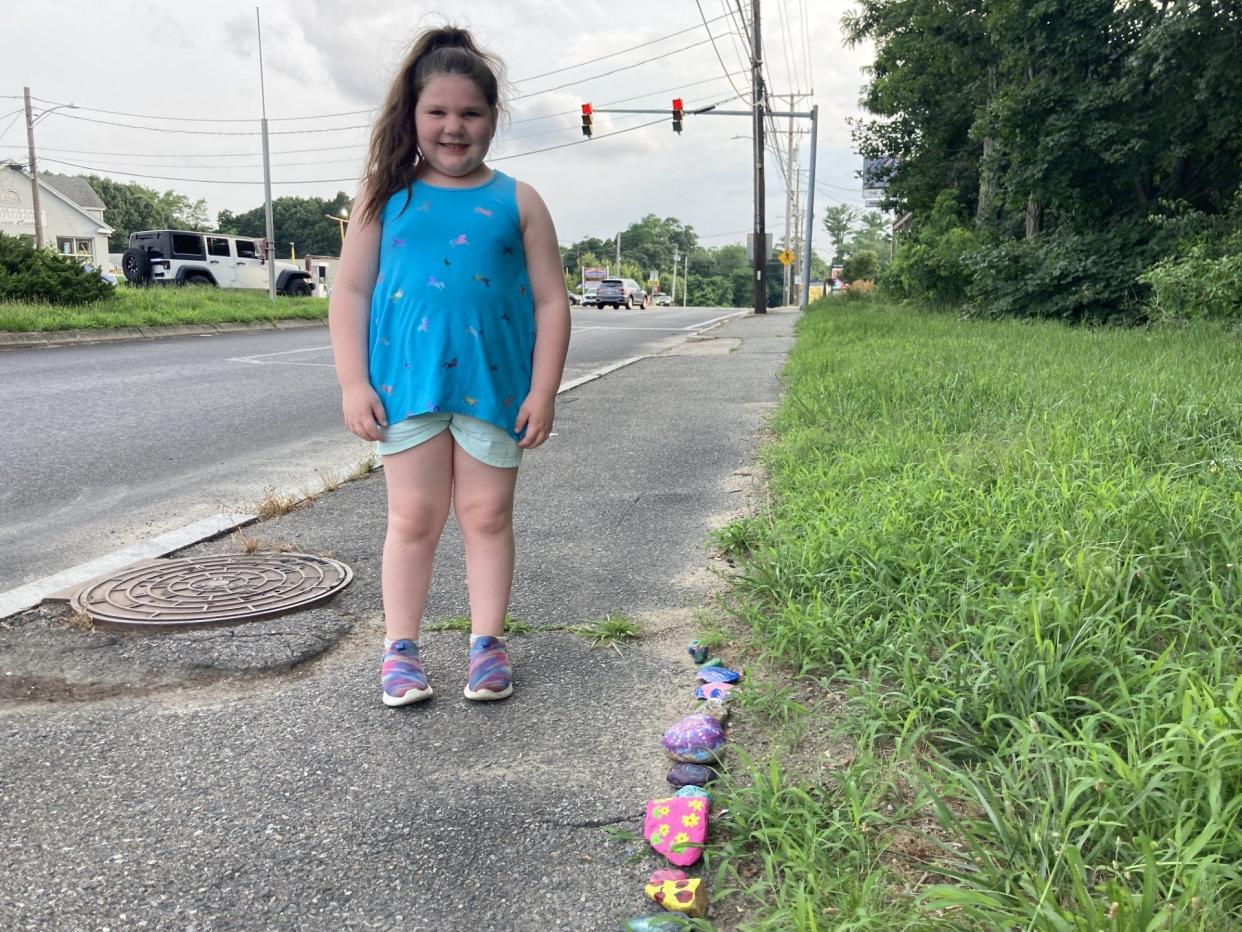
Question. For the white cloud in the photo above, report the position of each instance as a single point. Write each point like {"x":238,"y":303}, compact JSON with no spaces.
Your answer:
{"x":326,"y":56}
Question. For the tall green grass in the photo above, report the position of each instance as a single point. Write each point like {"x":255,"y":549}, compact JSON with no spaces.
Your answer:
{"x":156,"y":306}
{"x":1018,"y":547}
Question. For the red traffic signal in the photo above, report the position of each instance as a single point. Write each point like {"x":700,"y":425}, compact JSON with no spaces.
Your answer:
{"x":586,"y":120}
{"x":677,"y":112}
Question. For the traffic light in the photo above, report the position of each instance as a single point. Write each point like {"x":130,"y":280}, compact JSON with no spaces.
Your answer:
{"x":677,"y":111}
{"x":586,"y":120}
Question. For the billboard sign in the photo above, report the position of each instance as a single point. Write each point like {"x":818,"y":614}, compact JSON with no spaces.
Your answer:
{"x":875,"y":177}
{"x":594,"y":274}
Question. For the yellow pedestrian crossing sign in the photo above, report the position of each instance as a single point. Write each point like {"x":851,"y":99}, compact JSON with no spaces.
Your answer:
{"x":787,"y":257}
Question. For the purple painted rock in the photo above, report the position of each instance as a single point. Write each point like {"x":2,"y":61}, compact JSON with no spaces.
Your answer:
{"x":696,"y":791}
{"x":718,"y":675}
{"x":714,"y":691}
{"x":697,"y":651}
{"x":667,"y":873}
{"x":696,"y":739}
{"x":690,"y":775}
{"x":716,"y":707}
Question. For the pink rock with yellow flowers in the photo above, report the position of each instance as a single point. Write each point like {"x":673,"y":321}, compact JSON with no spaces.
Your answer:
{"x":677,"y":827}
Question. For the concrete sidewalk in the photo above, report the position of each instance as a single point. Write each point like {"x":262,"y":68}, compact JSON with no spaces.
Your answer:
{"x":248,"y":776}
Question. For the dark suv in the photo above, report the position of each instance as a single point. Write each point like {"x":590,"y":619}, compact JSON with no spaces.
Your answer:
{"x":620,"y":292}
{"x":183,"y":258}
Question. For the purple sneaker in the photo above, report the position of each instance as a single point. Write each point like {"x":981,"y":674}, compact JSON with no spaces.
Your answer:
{"x":402,"y":676}
{"x":491,"y":677}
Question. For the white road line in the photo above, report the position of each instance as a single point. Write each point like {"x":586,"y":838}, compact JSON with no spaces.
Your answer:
{"x":311,"y":349}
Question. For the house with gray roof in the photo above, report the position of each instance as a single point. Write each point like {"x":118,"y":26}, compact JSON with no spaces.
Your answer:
{"x":73,"y":214}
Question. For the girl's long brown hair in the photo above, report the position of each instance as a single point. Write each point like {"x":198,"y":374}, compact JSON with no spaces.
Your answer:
{"x":393,"y":157}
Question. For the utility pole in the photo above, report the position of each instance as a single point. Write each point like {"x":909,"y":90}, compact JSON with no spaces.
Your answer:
{"x":789,"y":208}
{"x":676,"y":259}
{"x":618,"y":254}
{"x":685,"y":279}
{"x":269,"y":245}
{"x":797,"y":236}
{"x":34,"y":174}
{"x":756,"y":84}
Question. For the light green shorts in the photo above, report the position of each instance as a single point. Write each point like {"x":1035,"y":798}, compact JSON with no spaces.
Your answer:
{"x":486,"y":442}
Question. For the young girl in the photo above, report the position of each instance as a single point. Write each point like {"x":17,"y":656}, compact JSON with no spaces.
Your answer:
{"x":449,"y":323}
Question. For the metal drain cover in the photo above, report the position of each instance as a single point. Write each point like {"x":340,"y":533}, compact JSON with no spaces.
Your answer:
{"x":224,"y":587}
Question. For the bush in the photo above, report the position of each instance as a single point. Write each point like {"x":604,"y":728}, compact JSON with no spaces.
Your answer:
{"x":860,"y":290}
{"x":41,"y":275}
{"x":1196,"y":286}
{"x":931,"y":263}
{"x":1069,"y":276}
{"x":864,"y":264}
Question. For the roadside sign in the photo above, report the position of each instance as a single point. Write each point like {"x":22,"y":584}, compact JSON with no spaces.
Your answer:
{"x":787,"y":257}
{"x":594,"y":274}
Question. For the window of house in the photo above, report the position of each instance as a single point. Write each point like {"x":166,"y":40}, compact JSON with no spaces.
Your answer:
{"x":217,"y":246}
{"x":245,"y":249}
{"x":187,"y":246}
{"x":76,"y":246}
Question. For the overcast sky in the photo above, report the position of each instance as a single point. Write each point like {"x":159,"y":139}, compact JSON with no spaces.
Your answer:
{"x":155,"y":60}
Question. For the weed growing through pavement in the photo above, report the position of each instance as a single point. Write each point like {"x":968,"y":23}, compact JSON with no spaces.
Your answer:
{"x":275,"y":504}
{"x":461,"y":623}
{"x":363,"y":468}
{"x":610,"y":631}
{"x":1003,"y":543}
{"x":330,"y":479}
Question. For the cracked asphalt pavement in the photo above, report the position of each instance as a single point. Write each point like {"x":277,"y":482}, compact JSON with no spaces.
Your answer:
{"x":247,"y":776}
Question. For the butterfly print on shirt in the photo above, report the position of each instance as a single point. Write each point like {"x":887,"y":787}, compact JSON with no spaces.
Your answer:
{"x":487,"y":282}
{"x":451,"y":364}
{"x":434,"y":282}
{"x":483,"y":210}
{"x":508,"y":251}
{"x":397,"y":242}
{"x":460,"y":241}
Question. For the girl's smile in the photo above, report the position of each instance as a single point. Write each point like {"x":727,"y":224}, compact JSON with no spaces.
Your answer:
{"x":455,"y":127}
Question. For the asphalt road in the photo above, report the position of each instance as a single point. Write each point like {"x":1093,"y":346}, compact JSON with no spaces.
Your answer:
{"x":247,"y":776}
{"x":109,"y":444}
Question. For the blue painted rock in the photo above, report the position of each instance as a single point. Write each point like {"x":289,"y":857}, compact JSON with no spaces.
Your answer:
{"x":697,"y":651}
{"x":690,"y":775}
{"x":714,"y":691}
{"x":718,"y":675}
{"x":696,"y":739}
{"x":696,"y":791}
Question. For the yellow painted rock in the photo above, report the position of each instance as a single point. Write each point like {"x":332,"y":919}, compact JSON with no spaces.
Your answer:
{"x":680,"y":896}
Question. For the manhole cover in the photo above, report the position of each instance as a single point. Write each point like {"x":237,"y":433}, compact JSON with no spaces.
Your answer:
{"x":225,"y":587}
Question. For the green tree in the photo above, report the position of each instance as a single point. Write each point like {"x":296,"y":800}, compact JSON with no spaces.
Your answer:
{"x":839,"y":220}
{"x":304,"y":221}
{"x":131,"y":207}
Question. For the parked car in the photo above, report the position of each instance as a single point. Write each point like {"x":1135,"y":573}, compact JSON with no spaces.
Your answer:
{"x":177,"y":257}
{"x":573,"y":298}
{"x":620,"y":292}
{"x":663,"y":299}
{"x":588,"y":295}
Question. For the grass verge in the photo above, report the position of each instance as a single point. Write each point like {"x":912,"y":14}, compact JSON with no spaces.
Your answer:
{"x":160,"y":306}
{"x":1011,"y":550}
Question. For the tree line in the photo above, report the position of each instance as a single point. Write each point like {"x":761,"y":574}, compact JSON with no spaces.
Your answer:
{"x":719,"y":276}
{"x":1077,"y":159}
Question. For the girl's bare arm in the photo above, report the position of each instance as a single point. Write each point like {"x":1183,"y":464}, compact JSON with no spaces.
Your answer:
{"x":349,"y":319}
{"x":547,"y":279}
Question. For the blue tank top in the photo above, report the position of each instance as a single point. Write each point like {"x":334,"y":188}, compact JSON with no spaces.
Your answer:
{"x":452,"y":315}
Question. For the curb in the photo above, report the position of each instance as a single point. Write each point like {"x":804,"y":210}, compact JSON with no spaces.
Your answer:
{"x":50,"y":338}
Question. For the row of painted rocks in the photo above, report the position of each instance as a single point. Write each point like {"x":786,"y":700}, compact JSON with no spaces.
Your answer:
{"x":676,"y":826}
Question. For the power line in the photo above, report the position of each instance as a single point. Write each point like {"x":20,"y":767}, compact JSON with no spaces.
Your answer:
{"x":613,"y":54}
{"x":148,"y":116}
{"x":605,"y":74}
{"x":206,"y":132}
{"x":723,"y":67}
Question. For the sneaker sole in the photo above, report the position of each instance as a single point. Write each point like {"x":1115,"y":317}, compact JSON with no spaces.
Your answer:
{"x":414,"y":695}
{"x":487,"y":695}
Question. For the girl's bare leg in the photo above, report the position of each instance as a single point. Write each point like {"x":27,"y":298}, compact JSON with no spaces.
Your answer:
{"x":420,"y":483}
{"x":483,"y":503}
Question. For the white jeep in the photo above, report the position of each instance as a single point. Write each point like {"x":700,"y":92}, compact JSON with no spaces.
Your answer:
{"x":183,"y":258}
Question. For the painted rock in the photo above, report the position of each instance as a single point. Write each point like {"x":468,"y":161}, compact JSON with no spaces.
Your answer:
{"x":657,"y":923}
{"x":694,"y":792}
{"x":714,"y":691}
{"x":697,"y":651}
{"x":716,"y":707}
{"x":718,"y":675}
{"x":714,"y":662}
{"x":684,"y":774}
{"x":696,"y":739}
{"x":681,"y":896}
{"x":666,"y":873}
{"x":676,"y":827}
